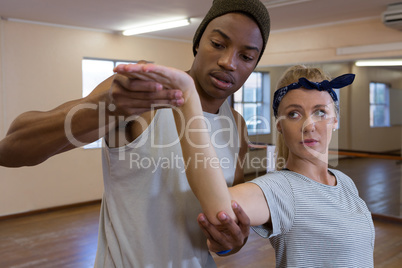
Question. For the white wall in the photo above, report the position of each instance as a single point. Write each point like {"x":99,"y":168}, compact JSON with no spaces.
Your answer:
{"x":40,"y":68}
{"x":362,"y":136}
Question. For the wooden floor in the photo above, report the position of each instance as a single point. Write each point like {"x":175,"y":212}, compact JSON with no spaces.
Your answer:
{"x":68,"y":238}
{"x":378,"y":182}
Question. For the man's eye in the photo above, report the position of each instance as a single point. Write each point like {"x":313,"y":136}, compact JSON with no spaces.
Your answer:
{"x":247,"y":58}
{"x":216,"y":45}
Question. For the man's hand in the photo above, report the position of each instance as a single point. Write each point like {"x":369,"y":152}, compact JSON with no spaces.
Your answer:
{"x":134,"y":91}
{"x":229,"y":235}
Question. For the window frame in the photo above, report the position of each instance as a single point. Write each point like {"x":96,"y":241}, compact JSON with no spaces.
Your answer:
{"x":373,"y":103}
{"x":98,"y":143}
{"x":265,"y":86}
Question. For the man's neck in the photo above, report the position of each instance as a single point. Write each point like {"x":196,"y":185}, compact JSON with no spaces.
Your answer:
{"x":211,"y":105}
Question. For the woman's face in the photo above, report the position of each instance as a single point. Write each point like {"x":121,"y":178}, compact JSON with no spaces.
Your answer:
{"x":306,"y":119}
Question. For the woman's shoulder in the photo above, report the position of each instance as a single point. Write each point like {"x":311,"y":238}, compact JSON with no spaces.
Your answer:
{"x":340,"y":175}
{"x":343,"y":178}
{"x":272,"y":178}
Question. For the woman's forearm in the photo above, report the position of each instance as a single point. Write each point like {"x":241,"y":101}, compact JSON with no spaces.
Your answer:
{"x":203,"y":169}
{"x":202,"y":166}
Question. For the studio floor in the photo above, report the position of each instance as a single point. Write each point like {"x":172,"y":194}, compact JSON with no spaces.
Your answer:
{"x":67,"y":237}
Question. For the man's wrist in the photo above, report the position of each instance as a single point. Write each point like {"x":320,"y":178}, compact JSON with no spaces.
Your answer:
{"x":223,"y":252}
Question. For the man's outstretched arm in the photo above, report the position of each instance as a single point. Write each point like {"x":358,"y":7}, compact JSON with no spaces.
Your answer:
{"x":35,"y":136}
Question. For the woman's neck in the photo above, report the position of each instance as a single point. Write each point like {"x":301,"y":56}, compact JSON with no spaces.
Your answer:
{"x":315,"y":170}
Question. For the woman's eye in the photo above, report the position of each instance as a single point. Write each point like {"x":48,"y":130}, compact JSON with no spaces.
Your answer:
{"x":294,"y":115}
{"x":320,"y":113}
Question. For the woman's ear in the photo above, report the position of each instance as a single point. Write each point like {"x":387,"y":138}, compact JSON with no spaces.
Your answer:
{"x":278,"y":126}
{"x":335,"y":123}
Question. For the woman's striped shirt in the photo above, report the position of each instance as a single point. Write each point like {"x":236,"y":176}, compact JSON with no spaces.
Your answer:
{"x":316,"y":225}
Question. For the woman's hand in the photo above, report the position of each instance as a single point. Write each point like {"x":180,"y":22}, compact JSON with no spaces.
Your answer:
{"x":168,"y":77}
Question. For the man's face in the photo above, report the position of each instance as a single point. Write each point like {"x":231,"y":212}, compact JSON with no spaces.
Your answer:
{"x":227,"y":54}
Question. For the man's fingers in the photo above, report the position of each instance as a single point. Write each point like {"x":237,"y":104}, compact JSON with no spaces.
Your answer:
{"x":172,"y":94}
{"x":217,"y":241}
{"x":205,"y":225}
{"x":150,"y":72}
{"x":229,"y":226}
{"x":139,"y":72}
{"x":244,"y":220}
{"x":130,"y":84}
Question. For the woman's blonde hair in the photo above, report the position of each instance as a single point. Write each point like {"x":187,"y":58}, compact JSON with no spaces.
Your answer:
{"x":290,"y":76}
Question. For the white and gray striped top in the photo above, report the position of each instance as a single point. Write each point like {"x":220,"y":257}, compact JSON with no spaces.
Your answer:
{"x":316,"y":225}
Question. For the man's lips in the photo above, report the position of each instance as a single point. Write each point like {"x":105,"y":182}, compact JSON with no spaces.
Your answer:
{"x":222,"y":80}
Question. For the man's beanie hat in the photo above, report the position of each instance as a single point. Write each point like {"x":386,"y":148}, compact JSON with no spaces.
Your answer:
{"x":253,"y":8}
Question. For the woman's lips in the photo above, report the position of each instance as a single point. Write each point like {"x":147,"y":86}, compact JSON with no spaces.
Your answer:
{"x":309,"y":142}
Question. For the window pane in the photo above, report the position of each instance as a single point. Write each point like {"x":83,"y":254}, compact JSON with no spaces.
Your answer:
{"x":372,"y":93}
{"x":249,"y":94}
{"x":379,"y":105}
{"x":380,"y":116}
{"x":122,"y":62}
{"x":380,"y":94}
{"x":238,"y":95}
{"x":94,"y":72}
{"x":262,"y":123}
{"x":250,"y":115}
{"x":238,"y":107}
{"x":252,"y":88}
{"x":252,"y":104}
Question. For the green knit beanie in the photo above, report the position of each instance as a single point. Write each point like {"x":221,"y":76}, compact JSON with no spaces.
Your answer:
{"x":253,"y":8}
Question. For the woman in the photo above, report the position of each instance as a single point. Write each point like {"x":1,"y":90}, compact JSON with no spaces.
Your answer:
{"x":312,"y":215}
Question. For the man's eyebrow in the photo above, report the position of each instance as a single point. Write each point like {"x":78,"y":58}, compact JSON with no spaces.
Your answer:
{"x":225,"y":36}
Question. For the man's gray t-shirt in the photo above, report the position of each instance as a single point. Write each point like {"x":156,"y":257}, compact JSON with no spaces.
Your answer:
{"x":149,"y":213}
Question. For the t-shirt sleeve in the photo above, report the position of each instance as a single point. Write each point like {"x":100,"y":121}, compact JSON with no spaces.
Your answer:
{"x":281,"y":202}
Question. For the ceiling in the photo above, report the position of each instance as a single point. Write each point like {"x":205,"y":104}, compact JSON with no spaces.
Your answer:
{"x":119,"y":15}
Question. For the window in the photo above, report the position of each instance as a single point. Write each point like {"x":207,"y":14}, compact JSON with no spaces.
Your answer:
{"x":379,"y":105}
{"x":337,"y":91}
{"x":252,"y":102}
{"x":94,"y":71}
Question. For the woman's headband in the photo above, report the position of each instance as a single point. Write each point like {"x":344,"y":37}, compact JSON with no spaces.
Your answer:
{"x":339,"y":82}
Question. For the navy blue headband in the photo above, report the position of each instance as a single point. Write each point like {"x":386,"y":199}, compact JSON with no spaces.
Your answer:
{"x":339,"y":82}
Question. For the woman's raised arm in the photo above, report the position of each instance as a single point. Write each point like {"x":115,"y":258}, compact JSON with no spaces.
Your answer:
{"x":203,"y":167}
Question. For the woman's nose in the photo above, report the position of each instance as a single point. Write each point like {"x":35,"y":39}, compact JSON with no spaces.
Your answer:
{"x":309,"y":125}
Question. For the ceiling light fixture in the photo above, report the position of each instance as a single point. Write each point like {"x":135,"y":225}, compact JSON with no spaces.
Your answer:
{"x":281,"y":3}
{"x":157,"y":27}
{"x":389,"y":62}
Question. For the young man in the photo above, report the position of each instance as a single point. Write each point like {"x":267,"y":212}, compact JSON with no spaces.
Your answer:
{"x":148,"y":210}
